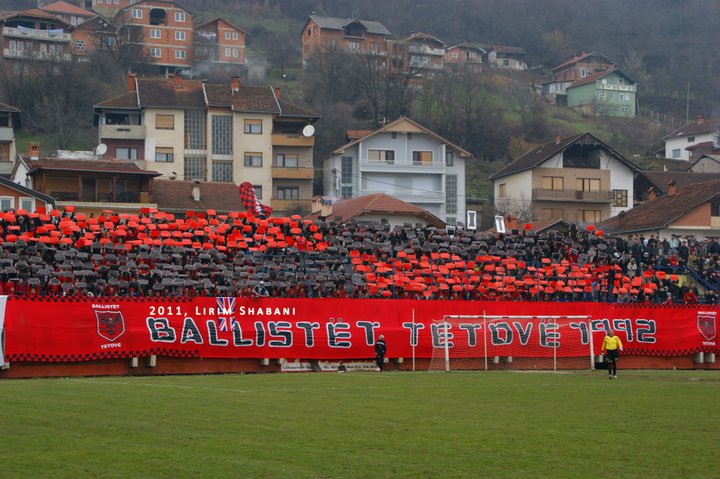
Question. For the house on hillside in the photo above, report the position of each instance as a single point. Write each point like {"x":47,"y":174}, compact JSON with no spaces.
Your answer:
{"x":322,"y":34}
{"x":31,"y":36}
{"x":464,"y":55}
{"x":378,"y":208}
{"x":68,"y":12}
{"x":219,"y":42}
{"x":405,"y":160}
{"x":571,"y":70}
{"x":513,"y":58}
{"x":156,"y":32}
{"x":579,"y":179}
{"x":109,"y":8}
{"x":652,"y":184}
{"x":422,"y":54}
{"x":92,"y":36}
{"x":708,"y":163}
{"x":221,"y":133}
{"x":690,"y":211}
{"x":606,"y":93}
{"x":9,"y":122}
{"x":698,"y":132}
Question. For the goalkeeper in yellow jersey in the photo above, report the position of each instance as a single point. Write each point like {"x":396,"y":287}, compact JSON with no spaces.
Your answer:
{"x":610,"y":347}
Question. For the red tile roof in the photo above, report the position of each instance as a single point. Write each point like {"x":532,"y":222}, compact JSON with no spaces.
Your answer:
{"x":65,"y":7}
{"x":662,"y":211}
{"x":380,"y":204}
{"x":173,"y":195}
{"x":684,"y":179}
{"x":708,"y":125}
{"x":580,"y":57}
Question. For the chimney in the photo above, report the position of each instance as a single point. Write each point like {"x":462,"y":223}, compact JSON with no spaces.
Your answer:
{"x":672,"y":188}
{"x":132,"y":82}
{"x":235,"y":84}
{"x":700,"y":119}
{"x":196,"y":191}
{"x":34,"y":150}
{"x":277,"y":92}
{"x":651,"y":195}
{"x":557,"y":137}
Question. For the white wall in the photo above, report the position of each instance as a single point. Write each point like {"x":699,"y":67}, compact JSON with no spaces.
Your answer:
{"x":621,"y":178}
{"x":682,"y":142}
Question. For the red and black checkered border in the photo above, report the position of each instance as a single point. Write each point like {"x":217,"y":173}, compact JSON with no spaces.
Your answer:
{"x":71,"y":358}
{"x":101,"y":299}
{"x":669,"y":352}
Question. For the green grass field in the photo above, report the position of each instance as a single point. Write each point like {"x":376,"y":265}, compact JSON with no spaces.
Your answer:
{"x":646,"y":424}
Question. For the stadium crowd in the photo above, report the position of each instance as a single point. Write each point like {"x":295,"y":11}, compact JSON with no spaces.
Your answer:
{"x":156,"y":254}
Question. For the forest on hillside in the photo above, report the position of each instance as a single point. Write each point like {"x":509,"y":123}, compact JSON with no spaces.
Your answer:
{"x":671,"y":48}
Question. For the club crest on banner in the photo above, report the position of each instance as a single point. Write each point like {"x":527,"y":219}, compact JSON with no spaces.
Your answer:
{"x":706,"y":325}
{"x":110,"y":324}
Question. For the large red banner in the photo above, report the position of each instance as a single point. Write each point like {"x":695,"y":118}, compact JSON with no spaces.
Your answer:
{"x":59,"y":329}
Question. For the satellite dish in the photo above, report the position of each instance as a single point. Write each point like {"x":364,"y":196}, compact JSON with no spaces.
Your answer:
{"x":101,"y":149}
{"x":308,"y":131}
{"x":604,"y":81}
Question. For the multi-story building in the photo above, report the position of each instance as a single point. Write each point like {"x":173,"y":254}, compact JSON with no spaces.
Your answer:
{"x":31,"y":36}
{"x":68,"y":13}
{"x":9,"y":121}
{"x":219,"y":41}
{"x":465,"y":55}
{"x":513,"y":58}
{"x":608,"y":93}
{"x":92,"y":36}
{"x":700,"y":132}
{"x":574,"y":69}
{"x":157,"y":32}
{"x":109,"y":8}
{"x":578,"y":179}
{"x":321,"y":34}
{"x":405,"y":160}
{"x":195,"y":131}
{"x":424,"y":54}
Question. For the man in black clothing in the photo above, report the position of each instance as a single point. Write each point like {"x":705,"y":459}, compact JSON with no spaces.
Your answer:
{"x":380,"y":350}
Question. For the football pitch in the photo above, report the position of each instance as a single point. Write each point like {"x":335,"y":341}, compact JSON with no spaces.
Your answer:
{"x":646,"y":424}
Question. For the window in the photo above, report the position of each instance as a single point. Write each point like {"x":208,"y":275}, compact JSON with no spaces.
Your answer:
{"x":386,"y":156}
{"x":195,"y":168}
{"x":676,"y":153}
{"x":286,"y":161}
{"x":155,"y":52}
{"x":253,"y":159}
{"x":585,"y":72}
{"x":451,"y":194}
{"x":164,"y":122}
{"x":449,"y":158}
{"x":80,"y":45}
{"x":409,"y":136}
{"x":346,"y":191}
{"x":551,"y":213}
{"x":288,"y":193}
{"x":601,"y":96}
{"x":257,"y":189}
{"x":588,"y":216}
{"x":180,"y":17}
{"x":587,"y":184}
{"x":110,"y":41}
{"x":222,"y":171}
{"x":7,"y":203}
{"x":180,"y":54}
{"x":235,"y":52}
{"x":624,"y":97}
{"x":424,"y":158}
{"x":228,"y":51}
{"x":253,"y":127}
{"x":27,"y":204}
{"x":227,"y":36}
{"x":374,"y":46}
{"x":502,"y":190}
{"x":393,"y":135}
{"x":195,"y":130}
{"x":556,"y":183}
{"x":222,"y":135}
{"x":136,"y":13}
{"x":691,"y":139}
{"x":620,"y":198}
{"x":332,"y":43}
{"x":164,"y":155}
{"x":179,"y":35}
{"x":126,"y":153}
{"x":235,"y":35}
{"x":346,"y":171}
{"x":353,"y":45}
{"x":155,"y":33}
{"x":454,"y":55}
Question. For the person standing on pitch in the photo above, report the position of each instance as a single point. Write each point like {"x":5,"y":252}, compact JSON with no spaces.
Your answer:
{"x":610,"y":346}
{"x":380,"y":350}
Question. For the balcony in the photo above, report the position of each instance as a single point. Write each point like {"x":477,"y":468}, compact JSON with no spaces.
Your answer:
{"x":293,"y":173}
{"x":31,"y":33}
{"x":30,"y":55}
{"x":424,"y":50}
{"x":122,"y":132}
{"x":402,"y":167}
{"x":285,"y":139}
{"x":601,"y":196}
